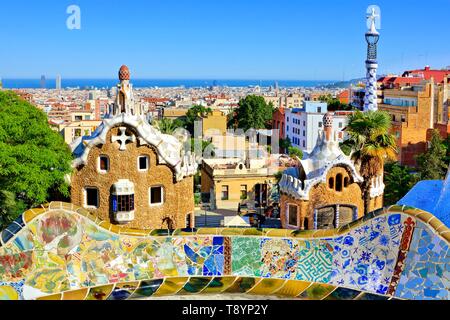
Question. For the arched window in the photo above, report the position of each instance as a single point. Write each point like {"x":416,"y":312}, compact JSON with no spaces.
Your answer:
{"x":346,"y":182}
{"x":331,"y":183}
{"x":339,"y":182}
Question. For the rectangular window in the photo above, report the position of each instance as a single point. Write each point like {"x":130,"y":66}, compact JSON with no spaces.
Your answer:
{"x":143,"y":163}
{"x":243,"y":192}
{"x":78,"y":118}
{"x":77,"y":132}
{"x":156,"y":195}
{"x":292,"y":215}
{"x":340,"y":124}
{"x":304,"y":145}
{"x":125,"y":203}
{"x":319,"y":109}
{"x":104,"y":163}
{"x":224,"y":192}
{"x":92,"y":197}
{"x":304,"y":133}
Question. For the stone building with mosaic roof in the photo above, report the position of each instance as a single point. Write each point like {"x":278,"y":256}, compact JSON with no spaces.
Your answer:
{"x":128,"y":172}
{"x":324,"y":190}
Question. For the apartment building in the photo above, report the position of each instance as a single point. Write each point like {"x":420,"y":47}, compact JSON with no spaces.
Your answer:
{"x":302,"y":126}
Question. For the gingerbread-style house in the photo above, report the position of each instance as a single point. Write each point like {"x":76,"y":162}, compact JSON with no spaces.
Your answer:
{"x":324,"y":190}
{"x":128,"y":172}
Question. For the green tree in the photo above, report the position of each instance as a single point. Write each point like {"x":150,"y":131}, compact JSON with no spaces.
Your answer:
{"x":371,"y":145}
{"x":164,"y":125}
{"x":168,"y":126}
{"x":398,"y":181}
{"x":205,"y":144}
{"x":295,"y":152}
{"x":285,"y":144}
{"x":193,"y":114}
{"x":34,"y":159}
{"x":432,"y":164}
{"x":333,"y":103}
{"x":253,"y":113}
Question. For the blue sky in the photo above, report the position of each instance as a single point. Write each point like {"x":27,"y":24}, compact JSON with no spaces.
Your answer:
{"x":218,"y":39}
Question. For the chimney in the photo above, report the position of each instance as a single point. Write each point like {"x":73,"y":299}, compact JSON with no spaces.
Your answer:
{"x":328,"y":125}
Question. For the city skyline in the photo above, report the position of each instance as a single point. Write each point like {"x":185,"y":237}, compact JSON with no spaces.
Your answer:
{"x":203,"y":40}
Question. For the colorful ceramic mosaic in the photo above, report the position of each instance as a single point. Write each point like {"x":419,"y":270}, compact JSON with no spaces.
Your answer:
{"x":427,"y":267}
{"x":60,"y":252}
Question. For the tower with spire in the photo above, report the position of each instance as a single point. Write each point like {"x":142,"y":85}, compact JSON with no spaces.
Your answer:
{"x":372,"y":37}
{"x":125,"y":102}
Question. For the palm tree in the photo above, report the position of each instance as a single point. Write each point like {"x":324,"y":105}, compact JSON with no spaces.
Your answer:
{"x":371,"y":145}
{"x":165,"y":125}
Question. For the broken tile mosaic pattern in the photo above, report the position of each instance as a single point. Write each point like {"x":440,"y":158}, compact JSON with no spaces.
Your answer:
{"x":62,"y":250}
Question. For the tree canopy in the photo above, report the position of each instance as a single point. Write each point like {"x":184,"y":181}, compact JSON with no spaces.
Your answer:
{"x":398,"y":181}
{"x":168,"y":126}
{"x":295,"y":152}
{"x":432,"y":164}
{"x":253,"y":113}
{"x":193,"y":114}
{"x":34,"y":159}
{"x":333,"y":103}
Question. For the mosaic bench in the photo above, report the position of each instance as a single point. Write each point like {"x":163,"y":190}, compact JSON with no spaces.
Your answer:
{"x":60,"y":251}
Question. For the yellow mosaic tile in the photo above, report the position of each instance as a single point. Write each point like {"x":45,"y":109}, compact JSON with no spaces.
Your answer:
{"x":32,"y":213}
{"x":104,"y":225}
{"x":100,"y":293}
{"x":171,"y":286}
{"x":83,"y":212}
{"x":180,"y":232}
{"x":231,"y":232}
{"x":277,"y":232}
{"x":435,"y":223}
{"x":129,"y":286}
{"x":55,"y":205}
{"x":317,"y":291}
{"x":253,"y":232}
{"x":324,"y":233}
{"x":75,"y":294}
{"x":218,"y":285}
{"x":113,"y":228}
{"x":243,"y":284}
{"x":293,"y":288}
{"x":134,"y":232}
{"x":195,"y":285}
{"x":66,"y":206}
{"x":301,"y":234}
{"x":206,"y":231}
{"x":267,"y":286}
{"x":51,"y":297}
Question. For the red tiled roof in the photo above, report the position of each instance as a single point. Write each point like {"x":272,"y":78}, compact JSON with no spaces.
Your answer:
{"x":427,"y":74}
{"x":344,"y":94}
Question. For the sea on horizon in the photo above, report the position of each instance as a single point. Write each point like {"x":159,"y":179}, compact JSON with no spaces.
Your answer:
{"x":146,"y":83}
